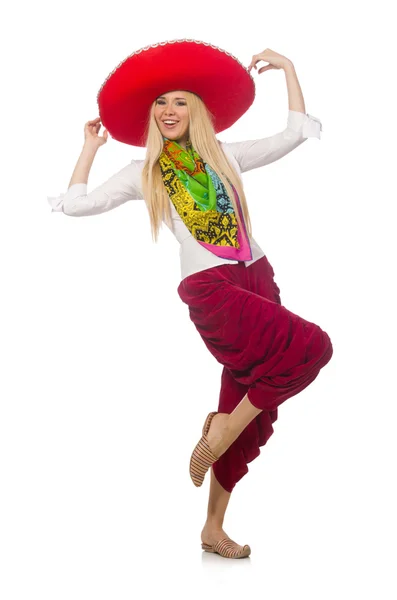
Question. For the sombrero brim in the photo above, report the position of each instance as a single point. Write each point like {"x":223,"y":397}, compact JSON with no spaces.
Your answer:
{"x":221,"y":81}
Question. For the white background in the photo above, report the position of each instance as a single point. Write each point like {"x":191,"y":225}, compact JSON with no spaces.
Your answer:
{"x":105,"y":382}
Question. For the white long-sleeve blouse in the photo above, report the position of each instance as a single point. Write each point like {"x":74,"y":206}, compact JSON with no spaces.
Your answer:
{"x":126,"y":185}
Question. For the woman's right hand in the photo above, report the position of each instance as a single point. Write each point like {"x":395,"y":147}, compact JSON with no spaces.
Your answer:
{"x":91,"y":130}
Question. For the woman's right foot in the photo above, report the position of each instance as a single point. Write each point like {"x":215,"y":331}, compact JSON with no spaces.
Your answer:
{"x":211,"y":536}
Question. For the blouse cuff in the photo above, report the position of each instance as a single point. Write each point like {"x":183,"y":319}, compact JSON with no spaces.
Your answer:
{"x":75,"y":190}
{"x":305,"y":124}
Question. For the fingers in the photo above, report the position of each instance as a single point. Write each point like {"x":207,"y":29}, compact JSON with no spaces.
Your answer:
{"x":255,"y":59}
{"x":261,"y":57}
{"x":94,"y":127}
{"x":267,"y":68}
{"x":262,"y":69}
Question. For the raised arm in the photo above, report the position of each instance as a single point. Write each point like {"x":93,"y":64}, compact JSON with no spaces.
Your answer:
{"x":300,"y":126}
{"x":122,"y":186}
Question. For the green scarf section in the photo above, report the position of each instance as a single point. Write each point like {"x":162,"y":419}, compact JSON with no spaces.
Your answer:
{"x":190,"y":170}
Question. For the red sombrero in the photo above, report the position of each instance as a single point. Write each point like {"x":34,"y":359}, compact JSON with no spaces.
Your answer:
{"x":221,"y":81}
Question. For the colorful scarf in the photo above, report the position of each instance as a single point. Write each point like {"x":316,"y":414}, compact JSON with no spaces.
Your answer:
{"x":202,"y":202}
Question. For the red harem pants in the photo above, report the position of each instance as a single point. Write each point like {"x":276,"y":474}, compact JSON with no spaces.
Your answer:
{"x":267,"y":351}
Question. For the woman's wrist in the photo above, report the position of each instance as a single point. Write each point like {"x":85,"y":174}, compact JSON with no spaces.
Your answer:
{"x":295,"y":96}
{"x":289,"y":65}
{"x":84,"y":164}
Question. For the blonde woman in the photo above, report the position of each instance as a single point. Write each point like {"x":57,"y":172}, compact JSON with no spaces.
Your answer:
{"x":174,"y":98}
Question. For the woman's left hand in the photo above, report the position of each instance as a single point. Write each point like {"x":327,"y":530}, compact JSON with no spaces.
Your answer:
{"x":275,"y":60}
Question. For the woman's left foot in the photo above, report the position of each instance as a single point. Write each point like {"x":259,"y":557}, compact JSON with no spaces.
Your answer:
{"x":217,"y":435}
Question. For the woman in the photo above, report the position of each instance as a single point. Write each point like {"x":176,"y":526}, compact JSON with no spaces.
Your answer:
{"x":192,"y":182}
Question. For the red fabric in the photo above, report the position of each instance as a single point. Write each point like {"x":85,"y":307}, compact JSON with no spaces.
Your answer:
{"x":266,"y":350}
{"x":221,"y":81}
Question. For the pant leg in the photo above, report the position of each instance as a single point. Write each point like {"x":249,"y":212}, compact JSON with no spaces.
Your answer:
{"x":233,"y":464}
{"x":296,"y":349}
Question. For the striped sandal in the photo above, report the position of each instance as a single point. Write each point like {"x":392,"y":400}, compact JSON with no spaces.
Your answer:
{"x":202,"y":457}
{"x":228,"y":549}
{"x":207,"y":423}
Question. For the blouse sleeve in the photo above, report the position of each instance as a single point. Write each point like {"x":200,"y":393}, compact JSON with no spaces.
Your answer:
{"x":118,"y":189}
{"x":257,"y":153}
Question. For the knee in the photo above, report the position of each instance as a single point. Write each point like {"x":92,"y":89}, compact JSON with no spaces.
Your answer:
{"x":328,"y":347}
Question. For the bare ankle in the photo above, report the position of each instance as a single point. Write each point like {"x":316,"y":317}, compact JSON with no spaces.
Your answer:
{"x":213,"y":523}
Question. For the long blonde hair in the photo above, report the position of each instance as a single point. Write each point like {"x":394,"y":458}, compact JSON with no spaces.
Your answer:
{"x":202,"y":137}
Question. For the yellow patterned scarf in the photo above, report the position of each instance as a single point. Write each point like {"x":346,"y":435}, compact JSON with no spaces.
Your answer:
{"x":199,"y":196}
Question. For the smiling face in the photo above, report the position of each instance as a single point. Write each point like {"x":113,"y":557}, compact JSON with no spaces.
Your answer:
{"x":172,"y":116}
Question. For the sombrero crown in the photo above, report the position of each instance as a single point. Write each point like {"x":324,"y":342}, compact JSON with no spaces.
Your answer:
{"x":218,"y":78}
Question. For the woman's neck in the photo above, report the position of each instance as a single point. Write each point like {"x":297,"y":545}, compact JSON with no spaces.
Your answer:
{"x":182,"y":142}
